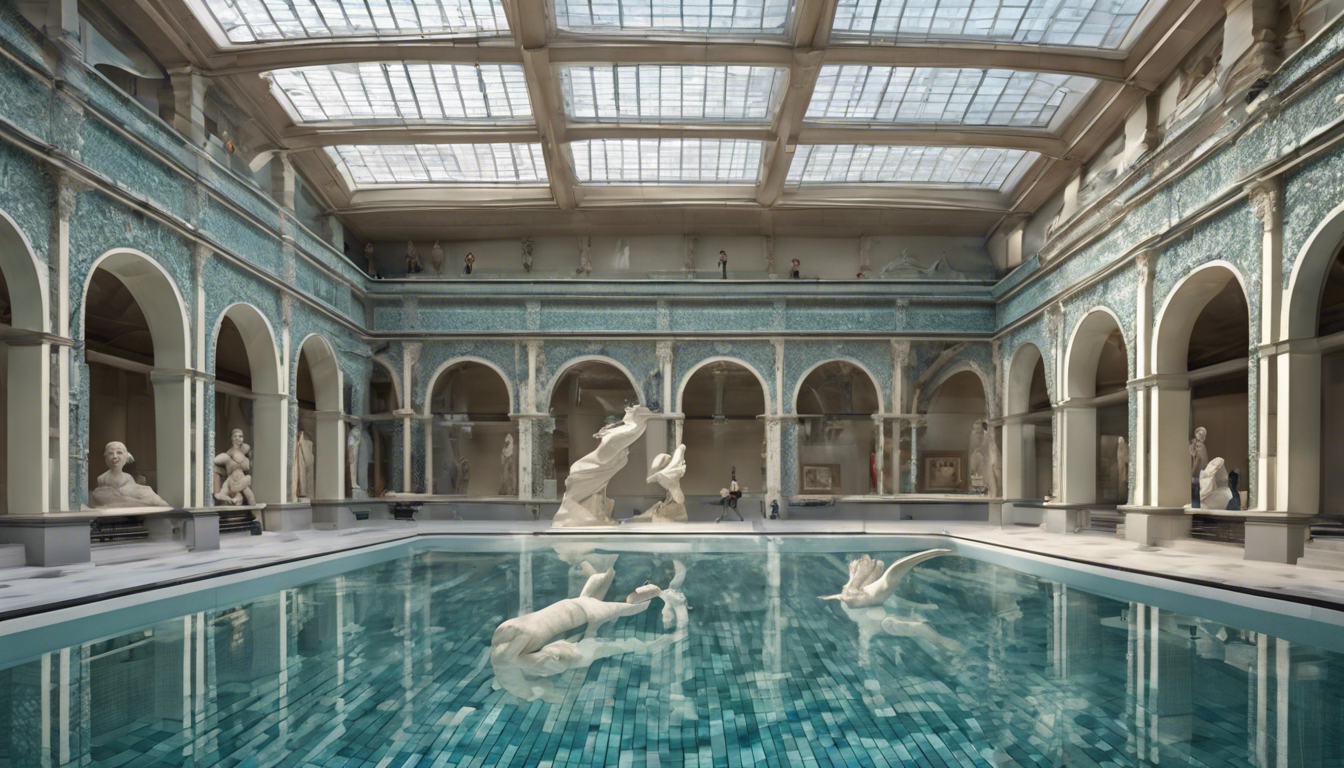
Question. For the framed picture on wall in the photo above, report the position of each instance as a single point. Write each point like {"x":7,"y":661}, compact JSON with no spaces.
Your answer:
{"x":821,"y":478}
{"x":944,"y":471}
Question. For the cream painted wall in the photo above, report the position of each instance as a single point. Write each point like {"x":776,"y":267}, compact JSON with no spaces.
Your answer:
{"x":121,"y":407}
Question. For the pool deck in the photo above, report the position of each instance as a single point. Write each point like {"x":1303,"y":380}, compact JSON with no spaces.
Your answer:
{"x":132,"y":567}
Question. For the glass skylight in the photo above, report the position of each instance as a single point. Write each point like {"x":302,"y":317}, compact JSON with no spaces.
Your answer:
{"x":697,"y":17}
{"x":1086,"y":23}
{"x":255,"y":21}
{"x":399,"y":91}
{"x":968,"y":167}
{"x":667,"y":161}
{"x":670,"y":93}
{"x":379,"y":164}
{"x":991,"y":97}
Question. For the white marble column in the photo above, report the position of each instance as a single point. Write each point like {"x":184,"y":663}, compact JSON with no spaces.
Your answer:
{"x":203,"y":467}
{"x":1266,"y":199}
{"x":773,"y":449}
{"x":410,"y":365}
{"x":329,"y":459}
{"x":62,"y":464}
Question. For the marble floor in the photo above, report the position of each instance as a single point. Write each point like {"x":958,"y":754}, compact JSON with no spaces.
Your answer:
{"x":120,"y":568}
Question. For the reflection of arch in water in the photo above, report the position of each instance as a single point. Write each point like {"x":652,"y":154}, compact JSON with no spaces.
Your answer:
{"x":269,"y":462}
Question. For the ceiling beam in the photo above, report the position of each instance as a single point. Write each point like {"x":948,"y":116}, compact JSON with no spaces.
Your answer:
{"x":930,"y":136}
{"x":969,"y":55}
{"x":527,"y":18}
{"x":310,"y":137}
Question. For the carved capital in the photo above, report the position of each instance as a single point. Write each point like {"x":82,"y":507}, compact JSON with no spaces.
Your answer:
{"x":1146,"y":262}
{"x":200,"y":254}
{"x":67,"y":191}
{"x":900,"y":352}
{"x":1266,"y":200}
{"x":664,"y":352}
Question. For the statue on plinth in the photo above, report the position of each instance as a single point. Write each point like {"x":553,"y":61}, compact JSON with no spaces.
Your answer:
{"x":233,"y":484}
{"x":117,"y":489}
{"x":508,"y":469}
{"x":1199,"y":459}
{"x":303,"y":466}
{"x":353,"y":442}
{"x":667,"y":471}
{"x":436,"y":258}
{"x":585,"y":501}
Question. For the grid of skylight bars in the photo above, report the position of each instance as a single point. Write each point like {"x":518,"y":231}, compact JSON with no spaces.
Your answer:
{"x":942,"y":96}
{"x":690,"y":17}
{"x":667,"y":161}
{"x":1082,"y":23}
{"x":965,"y":167}
{"x":668,"y":93}
{"x":384,"y":164}
{"x":399,"y":91}
{"x":253,"y":21}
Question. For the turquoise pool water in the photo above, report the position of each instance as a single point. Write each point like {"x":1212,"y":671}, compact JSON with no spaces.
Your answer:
{"x":383,"y":659}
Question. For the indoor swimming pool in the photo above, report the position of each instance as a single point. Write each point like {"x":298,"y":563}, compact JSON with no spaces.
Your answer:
{"x":394,"y":656}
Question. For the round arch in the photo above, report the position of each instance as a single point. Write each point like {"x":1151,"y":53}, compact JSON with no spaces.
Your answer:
{"x":686,"y":377}
{"x":473,"y":468}
{"x":1302,"y":294}
{"x":398,"y":394}
{"x":443,"y":367}
{"x":1084,"y":349}
{"x":329,"y":440}
{"x":27,"y":447}
{"x":1182,"y":307}
{"x":1084,"y":425}
{"x":549,"y":392}
{"x":268,"y":411}
{"x":263,"y":356}
{"x":1017,"y":398}
{"x":926,"y":393}
{"x":798,"y":384}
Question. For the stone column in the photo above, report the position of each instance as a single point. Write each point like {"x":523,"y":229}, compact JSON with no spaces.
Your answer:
{"x":410,"y":366}
{"x":189,"y":104}
{"x":69,"y":459}
{"x":28,"y":435}
{"x":1266,"y":200}
{"x":172,"y":417}
{"x":900,"y":362}
{"x":880,"y":425}
{"x":282,"y":180}
{"x":779,"y":448}
{"x":915,"y":425}
{"x":527,"y":426}
{"x":329,"y":461}
{"x":202,"y":482}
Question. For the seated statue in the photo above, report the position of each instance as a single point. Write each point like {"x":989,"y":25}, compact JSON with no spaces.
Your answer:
{"x":1214,"y":492}
{"x":233,"y":484}
{"x":116,"y":489}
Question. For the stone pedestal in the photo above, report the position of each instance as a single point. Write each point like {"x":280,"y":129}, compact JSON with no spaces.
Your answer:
{"x":1278,"y":540}
{"x":283,"y":518}
{"x":48,"y":540}
{"x":1150,"y":525}
{"x":1064,"y":519}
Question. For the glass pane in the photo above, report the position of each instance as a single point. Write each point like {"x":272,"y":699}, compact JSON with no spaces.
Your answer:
{"x":969,"y":167}
{"x":441,"y":163}
{"x":400,"y":91}
{"x":255,"y":21}
{"x":667,"y":161}
{"x":702,"y":17}
{"x":671,"y":93}
{"x":1085,"y":23}
{"x":995,"y":97}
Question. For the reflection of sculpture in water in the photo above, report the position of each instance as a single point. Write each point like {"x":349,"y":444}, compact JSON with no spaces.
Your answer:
{"x":1214,"y":492}
{"x":870,"y":586}
{"x":585,"y":501}
{"x":508,"y":482}
{"x":524,"y":651}
{"x":118,"y":489}
{"x":303,"y":466}
{"x":667,"y":471}
{"x":233,"y":484}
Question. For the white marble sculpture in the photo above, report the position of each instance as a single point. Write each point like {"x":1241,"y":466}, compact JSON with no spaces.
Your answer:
{"x":867,"y":588}
{"x":1213,"y":490}
{"x":1122,"y":466}
{"x":585,"y":501}
{"x":667,"y":471}
{"x":525,"y":651}
{"x":233,"y":484}
{"x":508,"y":469}
{"x":1199,"y":452}
{"x":303,"y":466}
{"x":984,"y":459}
{"x":436,"y":258}
{"x":116,"y":489}
{"x":994,"y":469}
{"x":353,"y":442}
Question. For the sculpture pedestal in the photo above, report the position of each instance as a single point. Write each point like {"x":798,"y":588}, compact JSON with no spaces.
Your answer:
{"x":1150,"y":525}
{"x":48,"y":540}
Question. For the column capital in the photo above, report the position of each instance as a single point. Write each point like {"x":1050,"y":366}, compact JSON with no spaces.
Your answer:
{"x":1265,"y":196}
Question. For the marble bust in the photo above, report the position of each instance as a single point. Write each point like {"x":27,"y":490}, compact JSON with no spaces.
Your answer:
{"x":117,"y":489}
{"x":233,"y":484}
{"x":1214,"y":492}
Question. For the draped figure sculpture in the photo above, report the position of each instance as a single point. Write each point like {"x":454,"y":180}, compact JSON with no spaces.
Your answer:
{"x":1214,"y":492}
{"x":869,"y":587}
{"x":585,"y":501}
{"x":117,"y":488}
{"x":667,"y":471}
{"x":233,"y":484}
{"x":303,"y":466}
{"x":508,"y":469}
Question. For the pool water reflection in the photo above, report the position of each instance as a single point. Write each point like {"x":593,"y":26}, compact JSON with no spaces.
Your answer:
{"x":967,"y":664}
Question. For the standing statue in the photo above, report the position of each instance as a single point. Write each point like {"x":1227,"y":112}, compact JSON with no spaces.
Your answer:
{"x":667,"y":471}
{"x":585,"y":501}
{"x":353,"y":443}
{"x":116,"y":489}
{"x":1199,"y":459}
{"x":233,"y":484}
{"x":728,"y":498}
{"x":469,"y":264}
{"x":976,"y":457}
{"x":508,"y":469}
{"x":369,"y":259}
{"x":527,"y":254}
{"x":723,"y":264}
{"x":1214,"y":492}
{"x":795,"y":270}
{"x":1122,"y":466}
{"x":436,"y":258}
{"x":413,"y":265}
{"x":303,"y":466}
{"x":993,"y":468}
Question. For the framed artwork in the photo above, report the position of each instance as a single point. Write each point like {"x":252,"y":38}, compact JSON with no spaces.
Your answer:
{"x":821,"y":478}
{"x":944,"y":471}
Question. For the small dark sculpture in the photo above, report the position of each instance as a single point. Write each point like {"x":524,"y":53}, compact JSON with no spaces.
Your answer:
{"x":723,"y":263}
{"x":795,"y":272}
{"x":468,"y":263}
{"x":728,"y":498}
{"x":774,"y":509}
{"x":1233,"y":478}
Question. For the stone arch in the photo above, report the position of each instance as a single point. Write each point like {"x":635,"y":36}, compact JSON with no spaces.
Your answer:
{"x":1302,"y":294}
{"x":447,"y":364}
{"x":1180,"y":310}
{"x":1021,"y":369}
{"x":549,"y":392}
{"x":1084,"y":350}
{"x":27,"y":379}
{"x":329,"y":440}
{"x":1082,"y":419}
{"x":270,"y":407}
{"x":798,"y":384}
{"x":686,"y":377}
{"x":439,"y":478}
{"x":398,"y":393}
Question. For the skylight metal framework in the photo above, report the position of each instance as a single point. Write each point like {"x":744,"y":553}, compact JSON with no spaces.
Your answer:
{"x":671,"y":93}
{"x":667,"y":161}
{"x":432,"y":164}
{"x":1103,"y":24}
{"x":718,"y":18}
{"x":405,"y":92}
{"x":963,"y":167}
{"x":869,"y":95}
{"x":257,"y":21}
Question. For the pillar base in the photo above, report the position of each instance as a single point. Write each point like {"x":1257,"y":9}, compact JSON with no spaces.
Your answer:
{"x":283,"y":518}
{"x":49,"y":540}
{"x":1276,"y":540}
{"x":1065,"y":519}
{"x":1150,"y":525}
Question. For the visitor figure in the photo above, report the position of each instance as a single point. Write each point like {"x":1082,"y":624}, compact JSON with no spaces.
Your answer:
{"x":985,"y":451}
{"x":667,"y":471}
{"x":1199,"y":459}
{"x":795,"y":270}
{"x":369,"y":259}
{"x":118,"y":489}
{"x":585,"y":501}
{"x":468,"y":263}
{"x":723,"y":263}
{"x":508,"y":482}
{"x":1233,"y":479}
{"x":728,"y":498}
{"x":1122,"y":466}
{"x":303,"y":466}
{"x":233,"y":484}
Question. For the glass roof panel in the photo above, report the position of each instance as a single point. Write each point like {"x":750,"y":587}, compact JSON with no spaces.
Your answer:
{"x":966,"y":167}
{"x":698,"y":17}
{"x":671,"y":93}
{"x":1084,"y":23}
{"x":667,"y":161}
{"x":401,"y":91}
{"x":420,"y":164}
{"x":257,"y":21}
{"x":930,"y":95}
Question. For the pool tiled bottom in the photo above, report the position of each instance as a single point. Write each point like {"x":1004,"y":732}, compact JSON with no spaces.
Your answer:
{"x":967,"y":665}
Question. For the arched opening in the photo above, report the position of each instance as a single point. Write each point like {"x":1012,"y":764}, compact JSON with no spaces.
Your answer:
{"x":135,"y":335}
{"x":1095,"y":417}
{"x":950,"y":441}
{"x":723,"y":401}
{"x":1330,"y":331}
{"x":248,"y":399}
{"x":1203,"y":335}
{"x":25,"y":410}
{"x":380,"y":427}
{"x":1028,"y":429}
{"x":587,"y":396}
{"x":471,"y":432}
{"x":319,"y":447}
{"x":838,"y":449}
